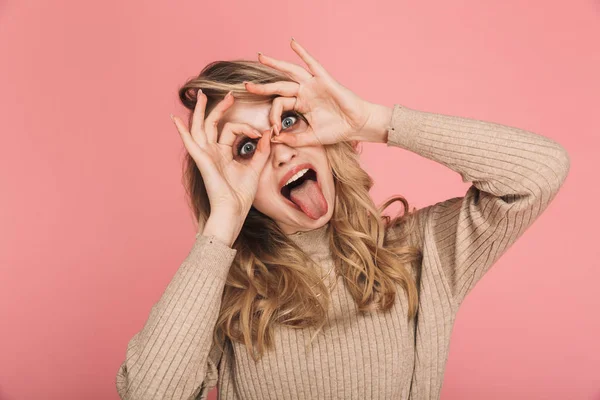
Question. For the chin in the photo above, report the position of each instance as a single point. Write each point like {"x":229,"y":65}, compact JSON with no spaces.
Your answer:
{"x":315,"y":223}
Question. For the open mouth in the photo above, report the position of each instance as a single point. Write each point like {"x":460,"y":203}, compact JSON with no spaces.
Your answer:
{"x":309,"y":175}
{"x":304,"y":192}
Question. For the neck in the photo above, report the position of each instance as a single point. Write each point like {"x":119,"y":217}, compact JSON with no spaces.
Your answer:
{"x":312,"y":241}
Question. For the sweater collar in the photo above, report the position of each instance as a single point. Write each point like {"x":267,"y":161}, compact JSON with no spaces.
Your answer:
{"x":313,"y":241}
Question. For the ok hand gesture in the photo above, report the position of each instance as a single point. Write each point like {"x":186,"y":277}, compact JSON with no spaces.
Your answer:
{"x":231,"y":185}
{"x":334,"y":112}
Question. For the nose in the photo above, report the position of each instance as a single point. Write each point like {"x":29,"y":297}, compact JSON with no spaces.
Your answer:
{"x":282,"y":154}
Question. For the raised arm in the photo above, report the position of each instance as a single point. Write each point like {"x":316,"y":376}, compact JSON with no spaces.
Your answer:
{"x":169,"y":357}
{"x":173,"y":356}
{"x":515,"y":175}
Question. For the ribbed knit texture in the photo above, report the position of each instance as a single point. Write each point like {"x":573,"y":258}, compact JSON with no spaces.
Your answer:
{"x":515,"y":174}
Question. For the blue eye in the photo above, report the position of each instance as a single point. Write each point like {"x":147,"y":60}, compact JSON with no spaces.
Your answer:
{"x":245,"y":147}
{"x":285,"y":124}
{"x":293,"y":119}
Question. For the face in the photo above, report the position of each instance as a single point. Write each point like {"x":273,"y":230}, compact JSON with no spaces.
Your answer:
{"x":302,"y":208}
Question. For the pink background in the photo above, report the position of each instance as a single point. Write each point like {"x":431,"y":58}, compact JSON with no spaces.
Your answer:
{"x":92,"y":213}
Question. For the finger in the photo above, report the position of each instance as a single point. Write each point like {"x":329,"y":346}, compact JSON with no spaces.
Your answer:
{"x":263,"y":149}
{"x":296,"y":139}
{"x":278,"y":106}
{"x":197,"y":128}
{"x":283,"y":88}
{"x":188,"y":141}
{"x":294,"y":71}
{"x":313,"y":65}
{"x":211,"y":122}
{"x":204,"y":164}
{"x":231,"y":130}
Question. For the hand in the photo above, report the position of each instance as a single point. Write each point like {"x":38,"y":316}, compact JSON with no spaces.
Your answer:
{"x":231,"y":185}
{"x":333,"y":112}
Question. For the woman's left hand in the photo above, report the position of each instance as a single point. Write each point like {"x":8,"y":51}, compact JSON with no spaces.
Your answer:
{"x":333,"y":112}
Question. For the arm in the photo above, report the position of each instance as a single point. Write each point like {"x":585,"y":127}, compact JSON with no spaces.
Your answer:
{"x":515,"y":175}
{"x":173,"y":357}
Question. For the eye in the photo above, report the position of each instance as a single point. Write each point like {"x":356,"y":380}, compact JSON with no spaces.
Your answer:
{"x":291,"y":118}
{"x":285,"y":122}
{"x":246,"y":147}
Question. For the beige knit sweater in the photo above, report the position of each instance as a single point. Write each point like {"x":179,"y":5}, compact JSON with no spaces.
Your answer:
{"x":515,"y":175}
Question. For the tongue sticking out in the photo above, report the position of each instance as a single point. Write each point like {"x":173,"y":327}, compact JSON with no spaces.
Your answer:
{"x":309,"y":197}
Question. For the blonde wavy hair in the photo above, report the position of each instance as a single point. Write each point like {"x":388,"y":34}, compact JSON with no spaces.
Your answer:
{"x":271,"y":281}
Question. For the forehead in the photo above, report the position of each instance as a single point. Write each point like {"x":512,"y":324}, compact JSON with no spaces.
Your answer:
{"x":253,"y":114}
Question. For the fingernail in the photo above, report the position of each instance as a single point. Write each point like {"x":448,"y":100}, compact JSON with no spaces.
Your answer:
{"x":260,"y":54}
{"x":172,"y":118}
{"x":293,"y":38}
{"x":272,"y":130}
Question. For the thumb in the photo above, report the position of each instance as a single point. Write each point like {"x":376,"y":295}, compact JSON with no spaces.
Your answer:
{"x":296,"y":139}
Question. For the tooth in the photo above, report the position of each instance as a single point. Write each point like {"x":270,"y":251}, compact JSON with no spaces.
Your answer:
{"x":296,"y":176}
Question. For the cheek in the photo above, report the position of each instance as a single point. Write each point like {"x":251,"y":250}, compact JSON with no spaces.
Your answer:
{"x":331,"y":185}
{"x":328,"y":184}
{"x":265,"y":195}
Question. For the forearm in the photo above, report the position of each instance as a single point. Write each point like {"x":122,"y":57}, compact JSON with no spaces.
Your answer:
{"x":167,"y":359}
{"x":501,"y":159}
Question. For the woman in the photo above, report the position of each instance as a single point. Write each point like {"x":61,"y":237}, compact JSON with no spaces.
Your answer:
{"x":297,"y":286}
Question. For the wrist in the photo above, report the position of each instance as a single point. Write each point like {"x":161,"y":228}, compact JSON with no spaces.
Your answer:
{"x":224,"y":229}
{"x":377,"y":125}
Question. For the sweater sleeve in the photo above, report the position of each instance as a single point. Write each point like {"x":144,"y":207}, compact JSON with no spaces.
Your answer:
{"x":515,"y":175}
{"x":173,"y":356}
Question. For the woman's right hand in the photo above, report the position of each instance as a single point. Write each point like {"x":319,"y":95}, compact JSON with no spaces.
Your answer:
{"x":231,"y":185}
